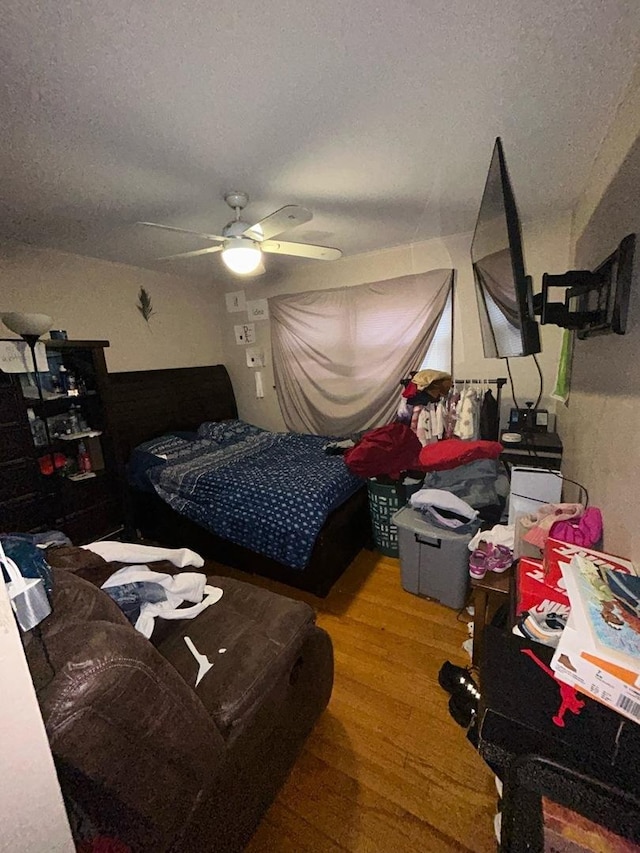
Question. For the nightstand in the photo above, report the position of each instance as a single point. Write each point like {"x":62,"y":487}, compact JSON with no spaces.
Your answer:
{"x":492,"y":589}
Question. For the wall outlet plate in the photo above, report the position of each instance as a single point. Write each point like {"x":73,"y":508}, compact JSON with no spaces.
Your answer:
{"x":256,"y":358}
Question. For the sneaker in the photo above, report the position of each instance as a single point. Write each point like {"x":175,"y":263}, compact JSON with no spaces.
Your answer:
{"x":499,"y":558}
{"x":465,"y":696}
{"x":478,"y":564}
{"x":463,"y":707}
{"x":451,"y":677}
{"x":545,"y":628}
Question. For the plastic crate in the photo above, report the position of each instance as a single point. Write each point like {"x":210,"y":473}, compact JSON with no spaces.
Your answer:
{"x":385,"y":499}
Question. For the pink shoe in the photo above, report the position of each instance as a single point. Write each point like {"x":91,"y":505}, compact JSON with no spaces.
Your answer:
{"x":479,"y":564}
{"x":499,"y":559}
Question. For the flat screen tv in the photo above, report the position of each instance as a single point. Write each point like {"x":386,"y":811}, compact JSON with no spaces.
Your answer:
{"x":503,"y":290}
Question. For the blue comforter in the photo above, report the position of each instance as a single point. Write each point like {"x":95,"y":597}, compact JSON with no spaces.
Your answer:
{"x":271,"y":492}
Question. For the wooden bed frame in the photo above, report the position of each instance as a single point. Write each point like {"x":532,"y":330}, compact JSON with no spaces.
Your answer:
{"x":146,"y":404}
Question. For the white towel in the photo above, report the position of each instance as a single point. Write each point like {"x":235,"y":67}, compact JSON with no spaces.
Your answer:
{"x":124,"y":552}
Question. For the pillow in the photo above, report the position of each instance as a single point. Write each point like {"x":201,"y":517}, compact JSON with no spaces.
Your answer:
{"x":152,"y":453}
{"x":164,"y":445}
{"x":225,"y":433}
{"x":452,"y":452}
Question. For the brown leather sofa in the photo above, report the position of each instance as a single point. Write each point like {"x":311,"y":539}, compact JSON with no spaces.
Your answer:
{"x":144,"y":755}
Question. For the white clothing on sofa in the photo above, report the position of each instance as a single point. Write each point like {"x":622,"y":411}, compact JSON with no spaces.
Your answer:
{"x":125,"y":552}
{"x":185,"y":586}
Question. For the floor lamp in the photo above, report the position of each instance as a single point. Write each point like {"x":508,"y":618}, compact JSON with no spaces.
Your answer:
{"x":31,"y":327}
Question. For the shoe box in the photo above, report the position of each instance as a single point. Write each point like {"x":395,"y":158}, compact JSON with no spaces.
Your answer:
{"x":434,"y":560}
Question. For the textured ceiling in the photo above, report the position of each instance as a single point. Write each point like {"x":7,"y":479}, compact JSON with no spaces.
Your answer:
{"x":379,"y":117}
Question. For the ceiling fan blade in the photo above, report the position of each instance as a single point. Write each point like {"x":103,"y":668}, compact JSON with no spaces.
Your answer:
{"x":194,"y":254}
{"x":181,"y":230}
{"x":281,"y":220}
{"x":302,"y":250}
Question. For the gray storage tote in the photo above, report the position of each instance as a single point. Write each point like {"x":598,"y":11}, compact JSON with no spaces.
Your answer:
{"x":434,"y":561}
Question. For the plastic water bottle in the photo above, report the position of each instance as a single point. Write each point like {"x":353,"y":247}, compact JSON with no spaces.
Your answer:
{"x":37,"y":427}
{"x":74,"y":420}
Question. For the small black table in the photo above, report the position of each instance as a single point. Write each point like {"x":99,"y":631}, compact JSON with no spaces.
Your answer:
{"x":537,"y":450}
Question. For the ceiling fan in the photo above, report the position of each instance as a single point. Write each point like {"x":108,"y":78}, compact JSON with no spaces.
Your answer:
{"x":242,"y":244}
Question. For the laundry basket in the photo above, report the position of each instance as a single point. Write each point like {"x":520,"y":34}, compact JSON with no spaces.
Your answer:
{"x":385,"y":499}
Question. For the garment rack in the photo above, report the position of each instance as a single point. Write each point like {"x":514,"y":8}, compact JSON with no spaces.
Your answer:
{"x":499,"y":382}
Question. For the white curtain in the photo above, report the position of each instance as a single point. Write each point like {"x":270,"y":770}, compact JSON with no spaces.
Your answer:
{"x":339,"y":355}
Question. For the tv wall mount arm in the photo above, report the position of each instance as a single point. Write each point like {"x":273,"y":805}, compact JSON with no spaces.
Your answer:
{"x":594,"y":302}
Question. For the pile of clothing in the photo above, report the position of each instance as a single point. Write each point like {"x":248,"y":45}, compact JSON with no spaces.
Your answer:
{"x":567,"y":522}
{"x":445,"y":509}
{"x":435,"y":408}
{"x":142,"y":593}
{"x":420,"y":405}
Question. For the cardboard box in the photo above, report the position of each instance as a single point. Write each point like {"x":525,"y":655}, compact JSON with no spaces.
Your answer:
{"x":613,"y":686}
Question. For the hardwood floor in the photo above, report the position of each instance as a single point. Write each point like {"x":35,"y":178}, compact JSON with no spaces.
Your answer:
{"x":386,"y":769}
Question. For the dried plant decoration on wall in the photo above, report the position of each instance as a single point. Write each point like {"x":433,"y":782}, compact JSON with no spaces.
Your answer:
{"x":144,"y":305}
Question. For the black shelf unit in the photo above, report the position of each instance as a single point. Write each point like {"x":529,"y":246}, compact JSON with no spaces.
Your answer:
{"x":30,"y":501}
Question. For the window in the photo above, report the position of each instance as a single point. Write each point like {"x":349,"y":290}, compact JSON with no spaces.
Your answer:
{"x":339,"y":354}
{"x":439,"y":356}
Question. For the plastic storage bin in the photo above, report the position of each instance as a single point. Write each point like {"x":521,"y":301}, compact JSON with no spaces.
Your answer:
{"x":385,"y":499}
{"x":434,"y":561}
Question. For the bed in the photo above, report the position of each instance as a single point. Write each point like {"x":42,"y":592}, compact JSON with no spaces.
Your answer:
{"x":187,"y":419}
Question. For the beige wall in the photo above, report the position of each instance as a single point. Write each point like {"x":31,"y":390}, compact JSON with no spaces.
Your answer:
{"x":546,"y":250}
{"x":95,"y":299}
{"x":600,"y":426}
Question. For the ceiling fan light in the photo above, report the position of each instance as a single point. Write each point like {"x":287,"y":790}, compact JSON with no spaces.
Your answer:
{"x":241,"y":256}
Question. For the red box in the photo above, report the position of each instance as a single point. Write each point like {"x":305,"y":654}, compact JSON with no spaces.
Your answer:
{"x":556,"y":552}
{"x":536,"y":587}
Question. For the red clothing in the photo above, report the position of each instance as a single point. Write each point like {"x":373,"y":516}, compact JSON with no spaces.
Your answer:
{"x":388,"y":450}
{"x":452,"y":452}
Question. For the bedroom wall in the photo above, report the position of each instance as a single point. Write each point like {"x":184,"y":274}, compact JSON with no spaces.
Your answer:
{"x":546,"y":250}
{"x":601,"y":424}
{"x":32,"y":814}
{"x":94,"y":299}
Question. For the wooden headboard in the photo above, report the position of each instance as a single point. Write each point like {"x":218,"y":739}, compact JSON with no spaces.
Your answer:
{"x":144,"y":404}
